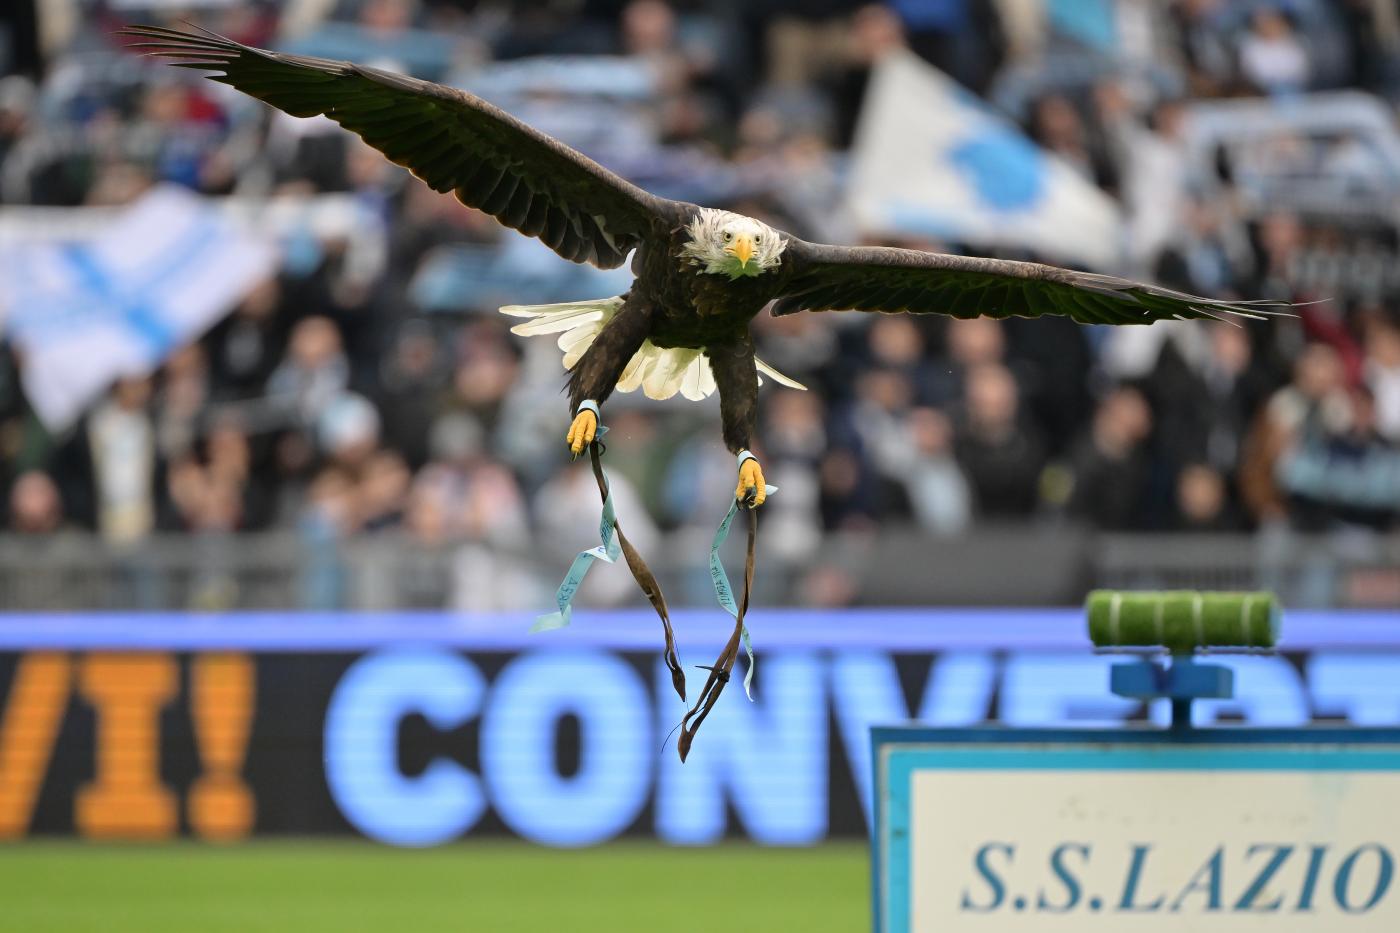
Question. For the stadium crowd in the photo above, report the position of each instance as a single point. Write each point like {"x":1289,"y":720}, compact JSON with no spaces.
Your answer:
{"x":397,"y":411}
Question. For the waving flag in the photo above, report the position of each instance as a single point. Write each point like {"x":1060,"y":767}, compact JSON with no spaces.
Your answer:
{"x":932,"y":160}
{"x":85,"y":312}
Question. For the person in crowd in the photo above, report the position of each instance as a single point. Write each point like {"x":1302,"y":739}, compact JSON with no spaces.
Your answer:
{"x":181,"y":400}
{"x":1111,"y":466}
{"x":1058,"y":127}
{"x":1315,"y":400}
{"x":313,"y":372}
{"x":36,"y":506}
{"x":125,"y":463}
{"x":1382,"y":373}
{"x":1203,"y":501}
{"x":938,"y":490}
{"x":1272,"y":57}
{"x":1001,"y":453}
{"x":1342,"y":473}
{"x":247,"y":346}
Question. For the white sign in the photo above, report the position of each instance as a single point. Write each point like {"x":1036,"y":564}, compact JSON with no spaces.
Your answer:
{"x":931,"y":160}
{"x":1168,"y":835}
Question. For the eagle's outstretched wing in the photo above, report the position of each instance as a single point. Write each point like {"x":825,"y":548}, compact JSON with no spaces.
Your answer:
{"x":877,"y":278}
{"x":452,"y":140}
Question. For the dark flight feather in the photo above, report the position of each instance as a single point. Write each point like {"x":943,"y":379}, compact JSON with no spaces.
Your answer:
{"x":452,"y":140}
{"x":863,"y":278}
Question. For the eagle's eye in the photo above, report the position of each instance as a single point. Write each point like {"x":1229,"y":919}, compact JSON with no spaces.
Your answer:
{"x":728,"y":236}
{"x":758,"y":239}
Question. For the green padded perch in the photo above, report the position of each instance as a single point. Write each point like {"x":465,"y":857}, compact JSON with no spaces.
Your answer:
{"x":1182,"y":620}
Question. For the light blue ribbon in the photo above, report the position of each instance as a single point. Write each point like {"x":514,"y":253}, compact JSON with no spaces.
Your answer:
{"x":607,"y":551}
{"x":724,"y":593}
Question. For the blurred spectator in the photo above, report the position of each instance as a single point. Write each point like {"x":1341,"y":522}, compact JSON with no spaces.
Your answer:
{"x":247,"y":345}
{"x":1057,"y":126}
{"x":383,"y":491}
{"x":1315,"y":397}
{"x":313,"y":372}
{"x":1383,"y":374}
{"x":1205,"y":388}
{"x":1111,"y":464}
{"x":875,"y":31}
{"x":182,"y":400}
{"x":1202,"y":500}
{"x":847,"y":493}
{"x":937,"y":488}
{"x":1280,"y":239}
{"x":35,"y":505}
{"x":1196,"y":252}
{"x":794,"y":429}
{"x":477,"y":496}
{"x":16,"y":103}
{"x":1204,"y":43}
{"x":408,"y":395}
{"x":1271,"y":56}
{"x":883,"y":399}
{"x":329,"y":516}
{"x":1000,"y":452}
{"x":348,"y":431}
{"x":1343,"y":473}
{"x":960,"y":37}
{"x":486,"y":369}
{"x":970,"y":342}
{"x":121,"y":441}
{"x":219,"y":492}
{"x":1154,"y":164}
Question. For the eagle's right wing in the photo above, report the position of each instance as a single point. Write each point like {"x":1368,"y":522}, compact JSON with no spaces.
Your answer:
{"x":881,"y":278}
{"x":452,"y":140}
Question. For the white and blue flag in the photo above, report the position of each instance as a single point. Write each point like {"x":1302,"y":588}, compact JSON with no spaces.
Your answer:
{"x":932,"y":160}
{"x":84,"y":312}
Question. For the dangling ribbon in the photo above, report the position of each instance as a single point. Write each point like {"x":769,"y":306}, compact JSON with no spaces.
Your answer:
{"x":578,"y":570}
{"x":724,"y":664}
{"x":613,"y":543}
{"x":724,"y":593}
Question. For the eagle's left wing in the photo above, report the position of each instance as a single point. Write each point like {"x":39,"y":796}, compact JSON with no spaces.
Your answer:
{"x":876,"y":278}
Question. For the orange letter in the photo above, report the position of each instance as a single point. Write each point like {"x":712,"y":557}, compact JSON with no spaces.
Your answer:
{"x":33,"y":716}
{"x":127,"y":800}
{"x":222,"y":687}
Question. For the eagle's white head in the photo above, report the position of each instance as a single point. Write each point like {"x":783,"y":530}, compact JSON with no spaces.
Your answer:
{"x":722,"y":243}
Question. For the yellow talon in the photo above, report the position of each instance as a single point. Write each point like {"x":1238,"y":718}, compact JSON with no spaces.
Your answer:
{"x":751,"y":478}
{"x":582,"y":431}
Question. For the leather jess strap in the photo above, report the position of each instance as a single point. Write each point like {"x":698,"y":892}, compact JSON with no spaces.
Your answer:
{"x":723,"y":667}
{"x":721,"y":670}
{"x":646,"y":580}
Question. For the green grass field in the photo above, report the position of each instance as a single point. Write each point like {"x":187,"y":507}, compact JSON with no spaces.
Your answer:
{"x":310,"y":887}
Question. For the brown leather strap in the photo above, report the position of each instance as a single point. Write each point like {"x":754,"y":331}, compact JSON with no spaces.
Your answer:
{"x":644,"y":577}
{"x":724,"y":664}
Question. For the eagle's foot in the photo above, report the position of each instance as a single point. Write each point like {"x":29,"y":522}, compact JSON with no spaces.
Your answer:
{"x":582,"y":431}
{"x":751,"y":490}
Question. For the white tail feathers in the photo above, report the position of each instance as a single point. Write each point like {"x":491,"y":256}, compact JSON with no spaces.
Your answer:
{"x":660,"y":372}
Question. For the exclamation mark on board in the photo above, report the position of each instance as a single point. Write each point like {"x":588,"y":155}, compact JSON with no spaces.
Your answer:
{"x":221,"y":705}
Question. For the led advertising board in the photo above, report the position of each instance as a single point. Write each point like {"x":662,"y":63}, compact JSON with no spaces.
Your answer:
{"x":421,"y":729}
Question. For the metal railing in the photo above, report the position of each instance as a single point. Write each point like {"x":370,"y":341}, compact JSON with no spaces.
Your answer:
{"x":1033,"y":565}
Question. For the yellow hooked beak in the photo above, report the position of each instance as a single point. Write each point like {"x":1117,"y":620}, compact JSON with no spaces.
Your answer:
{"x":741,"y":249}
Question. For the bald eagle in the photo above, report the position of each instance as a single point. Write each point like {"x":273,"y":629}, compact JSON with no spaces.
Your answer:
{"x":701,"y":275}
